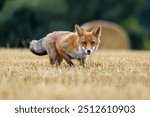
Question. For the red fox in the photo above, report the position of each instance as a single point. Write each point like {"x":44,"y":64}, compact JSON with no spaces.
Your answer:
{"x":67,"y":45}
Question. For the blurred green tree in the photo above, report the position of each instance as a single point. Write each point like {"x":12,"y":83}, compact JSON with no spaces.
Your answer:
{"x":22,"y":20}
{"x":1,"y":4}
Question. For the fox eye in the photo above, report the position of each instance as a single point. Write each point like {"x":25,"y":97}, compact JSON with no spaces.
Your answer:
{"x":93,"y":42}
{"x":83,"y":43}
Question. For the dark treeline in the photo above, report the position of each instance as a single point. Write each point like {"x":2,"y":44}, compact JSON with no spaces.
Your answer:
{"x":24,"y":20}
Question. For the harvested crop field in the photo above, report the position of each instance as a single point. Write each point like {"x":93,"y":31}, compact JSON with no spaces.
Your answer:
{"x":107,"y":75}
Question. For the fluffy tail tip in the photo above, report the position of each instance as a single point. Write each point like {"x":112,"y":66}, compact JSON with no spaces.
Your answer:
{"x":37,"y":49}
{"x":32,"y":44}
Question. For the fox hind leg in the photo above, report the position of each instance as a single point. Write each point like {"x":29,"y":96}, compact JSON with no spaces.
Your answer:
{"x":52,"y":54}
{"x":58,"y":60}
{"x":67,"y":59}
{"x":51,"y":60}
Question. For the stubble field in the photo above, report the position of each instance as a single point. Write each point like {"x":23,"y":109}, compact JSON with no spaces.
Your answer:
{"x":107,"y":75}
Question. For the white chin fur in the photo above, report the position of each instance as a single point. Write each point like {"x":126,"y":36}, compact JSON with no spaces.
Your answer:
{"x":85,"y":50}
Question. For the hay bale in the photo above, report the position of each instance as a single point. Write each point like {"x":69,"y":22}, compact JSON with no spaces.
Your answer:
{"x":113,"y":35}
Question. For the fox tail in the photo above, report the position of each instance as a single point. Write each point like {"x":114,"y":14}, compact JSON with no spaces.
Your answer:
{"x":37,"y":47}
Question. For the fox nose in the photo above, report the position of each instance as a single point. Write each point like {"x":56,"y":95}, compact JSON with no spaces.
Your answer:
{"x":89,"y":51}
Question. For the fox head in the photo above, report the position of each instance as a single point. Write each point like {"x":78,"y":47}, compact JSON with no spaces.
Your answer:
{"x":88,"y":41}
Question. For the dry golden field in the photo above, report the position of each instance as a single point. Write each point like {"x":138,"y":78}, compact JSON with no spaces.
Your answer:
{"x":107,"y":75}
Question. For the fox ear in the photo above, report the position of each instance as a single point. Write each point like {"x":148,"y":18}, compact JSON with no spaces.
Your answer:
{"x":97,"y":31}
{"x":80,"y":31}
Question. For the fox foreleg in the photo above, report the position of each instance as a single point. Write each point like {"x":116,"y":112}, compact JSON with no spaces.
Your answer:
{"x":83,"y":60}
